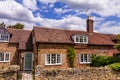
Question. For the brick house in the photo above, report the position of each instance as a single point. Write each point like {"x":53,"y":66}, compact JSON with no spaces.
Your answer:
{"x":48,"y":47}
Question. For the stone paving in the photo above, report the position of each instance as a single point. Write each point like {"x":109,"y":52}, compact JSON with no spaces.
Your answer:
{"x":27,"y":76}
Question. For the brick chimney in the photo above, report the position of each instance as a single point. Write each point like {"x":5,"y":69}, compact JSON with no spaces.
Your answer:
{"x":90,"y":24}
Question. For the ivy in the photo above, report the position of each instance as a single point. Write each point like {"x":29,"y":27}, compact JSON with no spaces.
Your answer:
{"x":71,"y":56}
{"x":117,"y":46}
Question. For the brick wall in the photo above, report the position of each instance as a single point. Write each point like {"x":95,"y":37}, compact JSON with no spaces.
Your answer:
{"x":12,"y":48}
{"x":55,"y":48}
{"x":62,"y":49}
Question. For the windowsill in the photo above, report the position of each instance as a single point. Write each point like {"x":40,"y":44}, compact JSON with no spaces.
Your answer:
{"x":4,"y":61}
{"x":81,"y":42}
{"x":85,"y":62}
{"x":53,"y":64}
{"x":4,"y":41}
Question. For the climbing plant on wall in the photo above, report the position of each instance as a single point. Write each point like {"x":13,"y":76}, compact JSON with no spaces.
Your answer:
{"x":71,"y":55}
{"x":117,"y":46}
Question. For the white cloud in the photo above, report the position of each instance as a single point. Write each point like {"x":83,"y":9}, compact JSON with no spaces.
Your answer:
{"x":22,"y":13}
{"x":58,"y":10}
{"x":30,"y":4}
{"x":85,"y":4}
{"x":15,"y":11}
{"x":112,"y":30}
{"x":102,"y":7}
{"x":71,"y":22}
{"x":51,"y":5}
{"x":47,"y":1}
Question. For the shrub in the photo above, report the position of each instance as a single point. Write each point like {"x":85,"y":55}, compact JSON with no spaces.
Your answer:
{"x":115,"y":66}
{"x":98,"y":61}
{"x":71,"y":56}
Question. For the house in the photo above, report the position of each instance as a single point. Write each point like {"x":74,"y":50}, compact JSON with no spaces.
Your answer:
{"x":48,"y":47}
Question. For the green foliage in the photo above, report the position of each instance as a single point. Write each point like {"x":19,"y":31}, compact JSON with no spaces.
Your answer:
{"x":33,"y":74}
{"x":19,"y":77}
{"x":98,"y":61}
{"x":71,"y":56}
{"x":2,"y":25}
{"x":115,"y":66}
{"x":17,"y":26}
{"x":117,"y":46}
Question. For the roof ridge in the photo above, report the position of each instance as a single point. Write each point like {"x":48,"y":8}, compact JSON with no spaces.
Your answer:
{"x":18,"y":29}
{"x":57,"y":28}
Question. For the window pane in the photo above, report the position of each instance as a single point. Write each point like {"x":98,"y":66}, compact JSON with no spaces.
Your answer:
{"x":81,"y":38}
{"x":89,"y":57}
{"x":53,"y":58}
{"x":1,"y":56}
{"x":81,"y":57}
{"x":7,"y":57}
{"x":85,"y":39}
{"x":77,"y":39}
{"x":4,"y":37}
{"x":48,"y":58}
{"x":58,"y":58}
{"x":85,"y":57}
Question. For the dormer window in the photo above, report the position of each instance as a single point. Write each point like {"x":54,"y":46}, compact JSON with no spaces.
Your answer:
{"x":80,"y":39}
{"x":4,"y":37}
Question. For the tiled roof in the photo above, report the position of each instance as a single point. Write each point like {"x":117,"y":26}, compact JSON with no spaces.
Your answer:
{"x":51,"y":35}
{"x":22,"y":37}
{"x":64,"y":36}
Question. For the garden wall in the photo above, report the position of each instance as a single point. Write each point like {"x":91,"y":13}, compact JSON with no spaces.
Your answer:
{"x":102,"y":73}
{"x":9,"y":73}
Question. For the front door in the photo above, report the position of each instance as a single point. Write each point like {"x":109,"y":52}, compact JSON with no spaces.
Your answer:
{"x":28,"y":61}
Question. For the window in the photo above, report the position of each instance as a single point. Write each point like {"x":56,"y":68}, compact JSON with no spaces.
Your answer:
{"x":4,"y":37}
{"x":4,"y":57}
{"x":52,"y":59}
{"x":80,"y":39}
{"x":85,"y":58}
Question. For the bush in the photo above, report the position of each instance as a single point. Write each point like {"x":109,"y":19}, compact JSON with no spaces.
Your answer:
{"x":98,"y":61}
{"x":115,"y":66}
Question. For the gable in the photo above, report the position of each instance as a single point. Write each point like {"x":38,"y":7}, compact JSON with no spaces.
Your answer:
{"x":4,"y":35}
{"x":4,"y":31}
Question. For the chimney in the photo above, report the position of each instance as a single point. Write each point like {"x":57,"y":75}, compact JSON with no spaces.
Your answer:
{"x":90,"y":24}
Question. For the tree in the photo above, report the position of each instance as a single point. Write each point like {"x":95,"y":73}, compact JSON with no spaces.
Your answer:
{"x":17,"y":26}
{"x":2,"y":25}
{"x":117,"y":46}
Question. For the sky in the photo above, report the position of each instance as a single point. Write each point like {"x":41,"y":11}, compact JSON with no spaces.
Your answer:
{"x":63,"y":14}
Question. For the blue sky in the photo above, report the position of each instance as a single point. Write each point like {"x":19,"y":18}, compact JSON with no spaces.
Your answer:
{"x":65,"y":14}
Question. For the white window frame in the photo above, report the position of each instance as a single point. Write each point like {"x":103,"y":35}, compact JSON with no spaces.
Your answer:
{"x":46,"y":63}
{"x":88,"y":58}
{"x":5,"y":57}
{"x":4,"y":39}
{"x":84,"y":42}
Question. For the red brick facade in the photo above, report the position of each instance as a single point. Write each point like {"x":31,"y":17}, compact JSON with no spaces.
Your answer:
{"x":41,"y":41}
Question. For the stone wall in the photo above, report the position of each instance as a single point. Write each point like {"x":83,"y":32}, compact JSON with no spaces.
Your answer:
{"x":102,"y":73}
{"x":9,"y":73}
